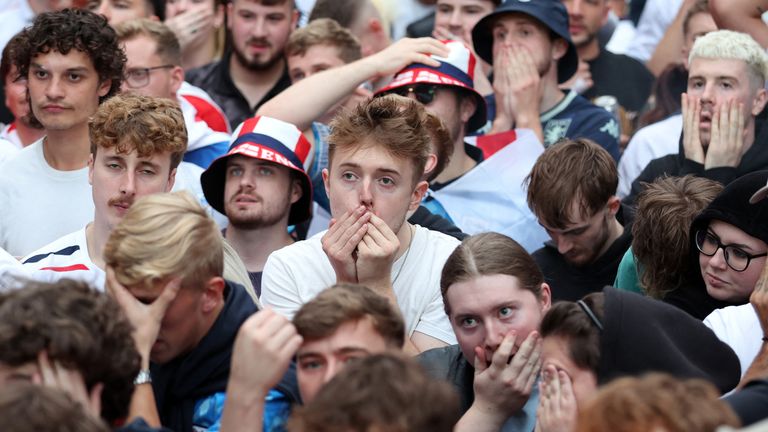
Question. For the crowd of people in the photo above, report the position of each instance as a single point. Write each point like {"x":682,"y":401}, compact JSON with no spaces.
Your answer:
{"x":380,"y":215}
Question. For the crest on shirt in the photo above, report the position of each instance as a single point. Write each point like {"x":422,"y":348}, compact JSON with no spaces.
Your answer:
{"x":611,"y":128}
{"x":554,"y":130}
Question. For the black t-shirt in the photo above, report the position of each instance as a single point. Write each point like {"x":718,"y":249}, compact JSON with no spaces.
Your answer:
{"x":621,"y":76}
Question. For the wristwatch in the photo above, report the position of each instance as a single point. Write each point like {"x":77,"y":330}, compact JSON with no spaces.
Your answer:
{"x":143,"y":377}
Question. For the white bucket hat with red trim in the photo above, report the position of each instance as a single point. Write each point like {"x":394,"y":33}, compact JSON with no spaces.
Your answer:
{"x":271,"y":140}
{"x":456,"y":70}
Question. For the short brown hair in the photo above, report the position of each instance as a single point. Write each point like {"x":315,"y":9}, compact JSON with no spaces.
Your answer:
{"x":76,"y":325}
{"x":699,"y":6}
{"x":168,"y":47}
{"x":568,"y":170}
{"x":489,"y":254}
{"x":442,"y":146}
{"x":162,"y":236}
{"x":570,"y":322}
{"x":324,"y":31}
{"x":382,"y":392}
{"x":145,"y":124}
{"x":656,"y":402}
{"x":26,"y":407}
{"x":392,"y":122}
{"x":342,"y":303}
{"x":661,"y":230}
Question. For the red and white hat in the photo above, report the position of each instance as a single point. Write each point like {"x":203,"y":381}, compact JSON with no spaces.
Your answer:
{"x":456,"y":70}
{"x":271,"y":140}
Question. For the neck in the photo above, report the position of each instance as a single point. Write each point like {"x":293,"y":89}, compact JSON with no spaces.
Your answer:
{"x":247,"y":77}
{"x":589,"y":50}
{"x":615,"y":230}
{"x":405,"y":236}
{"x":27,"y":134}
{"x":551,"y":94}
{"x":67,"y":150}
{"x":201,"y":55}
{"x":460,"y":162}
{"x":96,"y":235}
{"x":255,"y":245}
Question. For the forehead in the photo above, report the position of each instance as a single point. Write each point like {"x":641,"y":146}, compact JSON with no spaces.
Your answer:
{"x":140,"y":46}
{"x":371,"y":156}
{"x":131,"y":154}
{"x":356,"y":334}
{"x":321,"y":53}
{"x":718,"y":68}
{"x":258,"y":5}
{"x":513,"y":19}
{"x":74,"y":59}
{"x":729,"y":233}
{"x":480,"y":294}
{"x":460,"y":3}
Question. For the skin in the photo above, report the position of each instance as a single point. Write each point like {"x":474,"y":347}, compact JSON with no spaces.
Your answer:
{"x":117,"y":11}
{"x":587,"y":237}
{"x":318,"y":361}
{"x":258,"y":193}
{"x":555,"y":352}
{"x":259,"y":32}
{"x":64,"y":90}
{"x":454,"y":19}
{"x":698,"y":25}
{"x":141,"y":52}
{"x":496,"y":332}
{"x":722,"y":282}
{"x":16,"y":95}
{"x":188,"y":318}
{"x":585,"y":18}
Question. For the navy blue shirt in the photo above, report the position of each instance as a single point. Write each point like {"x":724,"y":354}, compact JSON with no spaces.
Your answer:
{"x":575,"y":117}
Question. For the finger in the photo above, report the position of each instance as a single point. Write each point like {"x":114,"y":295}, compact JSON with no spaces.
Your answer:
{"x":345,"y":221}
{"x":354,"y":240}
{"x":480,"y":362}
{"x":171,"y":289}
{"x":533,"y":376}
{"x":531,"y":367}
{"x":116,"y":289}
{"x":47,"y":372}
{"x":526,"y":350}
{"x":500,"y":358}
{"x":384,"y":229}
{"x":95,"y":399}
{"x":566,"y":387}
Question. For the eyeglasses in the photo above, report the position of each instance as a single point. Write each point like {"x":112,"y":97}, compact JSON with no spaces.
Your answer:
{"x":139,"y":77}
{"x":425,"y":93}
{"x":708,"y":244}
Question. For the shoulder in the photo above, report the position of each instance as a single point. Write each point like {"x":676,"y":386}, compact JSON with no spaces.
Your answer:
{"x":439,"y":361}
{"x":202,"y":74}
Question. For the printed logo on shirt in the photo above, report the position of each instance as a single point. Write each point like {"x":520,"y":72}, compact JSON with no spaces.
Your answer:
{"x":554,"y":130}
{"x":611,"y":128}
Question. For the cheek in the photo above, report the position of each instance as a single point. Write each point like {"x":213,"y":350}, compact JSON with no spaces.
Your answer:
{"x":703,"y":262}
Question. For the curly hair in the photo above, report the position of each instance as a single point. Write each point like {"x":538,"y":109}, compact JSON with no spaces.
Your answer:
{"x":660,"y":234}
{"x":79,"y":327}
{"x":69,"y":29}
{"x":657,"y":402}
{"x":145,"y":124}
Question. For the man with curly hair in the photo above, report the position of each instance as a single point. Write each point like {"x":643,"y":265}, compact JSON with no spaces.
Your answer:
{"x":72,"y":62}
{"x":137,"y":143}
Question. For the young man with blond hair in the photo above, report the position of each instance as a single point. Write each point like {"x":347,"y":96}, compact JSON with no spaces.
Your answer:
{"x":377,"y":157}
{"x":167,"y":242}
{"x":137,"y":143}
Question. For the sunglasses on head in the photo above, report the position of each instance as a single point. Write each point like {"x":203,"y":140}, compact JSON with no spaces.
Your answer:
{"x":425,"y":93}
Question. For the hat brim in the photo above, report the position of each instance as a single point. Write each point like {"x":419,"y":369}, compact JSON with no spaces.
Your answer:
{"x":482,"y":41}
{"x":759,"y":195}
{"x":213,"y":181}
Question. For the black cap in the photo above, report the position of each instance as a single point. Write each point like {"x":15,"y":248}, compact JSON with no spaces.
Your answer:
{"x":551,"y":13}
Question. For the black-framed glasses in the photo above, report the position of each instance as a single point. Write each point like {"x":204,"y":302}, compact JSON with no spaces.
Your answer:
{"x":139,"y":77}
{"x":708,"y":244}
{"x":425,"y":93}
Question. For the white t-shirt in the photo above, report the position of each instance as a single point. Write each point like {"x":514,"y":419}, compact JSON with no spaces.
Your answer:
{"x":66,"y":257}
{"x":297,"y":273}
{"x":739,"y":327}
{"x":656,"y":17}
{"x":651,"y":142}
{"x":10,"y":267}
{"x":7,"y":150}
{"x":40,"y":204}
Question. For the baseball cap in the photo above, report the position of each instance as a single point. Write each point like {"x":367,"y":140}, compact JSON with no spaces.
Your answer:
{"x":457,"y":70}
{"x":270,"y":140}
{"x":551,"y":13}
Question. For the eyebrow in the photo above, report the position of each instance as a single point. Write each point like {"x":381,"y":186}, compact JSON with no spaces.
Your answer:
{"x":74,"y":69}
{"x":380,"y":169}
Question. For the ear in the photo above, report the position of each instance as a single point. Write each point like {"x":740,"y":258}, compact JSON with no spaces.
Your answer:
{"x":326,"y":182}
{"x":90,"y":169}
{"x":467,"y":108}
{"x":230,"y":14}
{"x":177,"y":77}
{"x":759,"y":101}
{"x":104,"y":87}
{"x":294,"y":19}
{"x":430,"y":165}
{"x":171,"y":180}
{"x":545,"y":297}
{"x":418,"y":195}
{"x":296,"y":191}
{"x":559,"y":48}
{"x":614,"y":204}
{"x":213,"y":294}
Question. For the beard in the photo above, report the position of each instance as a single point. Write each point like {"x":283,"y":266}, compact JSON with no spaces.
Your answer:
{"x":267,"y":214}
{"x":256,"y":64}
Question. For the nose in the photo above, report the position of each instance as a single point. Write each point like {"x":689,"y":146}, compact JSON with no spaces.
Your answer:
{"x":564,"y":245}
{"x":334,"y":367}
{"x":259,"y":28}
{"x":574,"y":8}
{"x":718,"y":260}
{"x":181,"y":6}
{"x":495,"y":333}
{"x":54,"y":90}
{"x":455,"y":21}
{"x":128,"y":185}
{"x":366,"y":193}
{"x":708,"y":93}
{"x":104,"y":9}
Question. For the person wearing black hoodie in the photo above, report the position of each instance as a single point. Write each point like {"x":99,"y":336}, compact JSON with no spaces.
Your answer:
{"x":618,"y":333}
{"x":168,"y":240}
{"x":723,"y":113}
